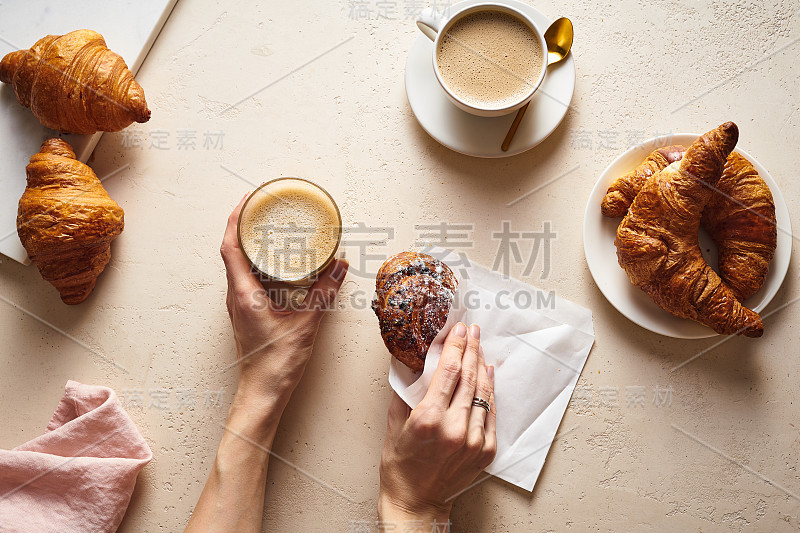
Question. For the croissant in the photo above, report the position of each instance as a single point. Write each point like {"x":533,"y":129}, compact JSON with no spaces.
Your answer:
{"x":657,"y":239}
{"x":741,"y":220}
{"x":624,"y":189}
{"x":414,"y":293}
{"x":740,"y":217}
{"x":74,"y":84}
{"x":66,"y":221}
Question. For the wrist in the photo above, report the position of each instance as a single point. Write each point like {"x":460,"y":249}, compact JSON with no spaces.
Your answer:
{"x":265,"y":389}
{"x":270,"y":376}
{"x":393,"y":511}
{"x":255,"y":416}
{"x":255,"y":394}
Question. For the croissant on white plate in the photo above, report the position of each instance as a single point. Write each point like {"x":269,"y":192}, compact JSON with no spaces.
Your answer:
{"x":657,"y":242}
{"x":740,"y":217}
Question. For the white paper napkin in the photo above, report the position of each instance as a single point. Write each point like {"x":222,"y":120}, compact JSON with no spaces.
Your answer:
{"x":538,"y":344}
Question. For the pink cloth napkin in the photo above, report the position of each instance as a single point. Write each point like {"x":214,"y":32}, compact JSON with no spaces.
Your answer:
{"x":79,"y":475}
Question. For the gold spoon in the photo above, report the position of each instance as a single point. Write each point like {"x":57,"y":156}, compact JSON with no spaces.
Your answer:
{"x":559,"y":40}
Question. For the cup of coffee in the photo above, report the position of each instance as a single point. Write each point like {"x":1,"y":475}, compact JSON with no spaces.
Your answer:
{"x":289,"y":230}
{"x":489,"y":58}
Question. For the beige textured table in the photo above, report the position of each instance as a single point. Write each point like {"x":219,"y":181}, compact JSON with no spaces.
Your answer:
{"x":712,"y":446}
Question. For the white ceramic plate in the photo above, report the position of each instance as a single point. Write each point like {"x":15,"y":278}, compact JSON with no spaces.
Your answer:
{"x":601,"y":254}
{"x":482,"y":136}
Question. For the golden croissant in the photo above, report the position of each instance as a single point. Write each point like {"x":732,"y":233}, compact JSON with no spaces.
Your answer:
{"x":625,"y":188}
{"x":74,"y":84}
{"x":657,"y":239}
{"x":740,"y":217}
{"x":741,"y":220}
{"x":66,"y":221}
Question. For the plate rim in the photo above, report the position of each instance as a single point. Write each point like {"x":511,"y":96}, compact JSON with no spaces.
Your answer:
{"x":592,"y":212}
{"x":510,"y":153}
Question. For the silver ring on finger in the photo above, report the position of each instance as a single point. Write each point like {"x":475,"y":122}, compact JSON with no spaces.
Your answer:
{"x":480,"y":402}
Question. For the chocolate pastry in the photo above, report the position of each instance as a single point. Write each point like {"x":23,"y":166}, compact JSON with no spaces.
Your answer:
{"x":414,"y":293}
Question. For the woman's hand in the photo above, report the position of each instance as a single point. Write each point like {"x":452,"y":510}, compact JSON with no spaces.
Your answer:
{"x":273,"y":344}
{"x":433,"y":452}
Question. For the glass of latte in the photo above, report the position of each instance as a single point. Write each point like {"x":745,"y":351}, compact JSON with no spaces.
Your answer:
{"x":289,"y":231}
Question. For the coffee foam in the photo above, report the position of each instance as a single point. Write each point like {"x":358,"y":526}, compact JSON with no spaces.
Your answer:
{"x":288,"y":229}
{"x":490,"y":58}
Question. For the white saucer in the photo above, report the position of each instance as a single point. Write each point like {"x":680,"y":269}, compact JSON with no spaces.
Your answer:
{"x":599,"y":233}
{"x":482,"y":136}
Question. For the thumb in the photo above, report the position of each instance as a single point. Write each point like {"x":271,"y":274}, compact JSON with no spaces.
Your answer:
{"x":322,"y":293}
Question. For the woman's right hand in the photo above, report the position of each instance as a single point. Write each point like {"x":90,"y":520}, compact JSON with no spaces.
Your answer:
{"x":273,"y":345}
{"x":435,"y":451}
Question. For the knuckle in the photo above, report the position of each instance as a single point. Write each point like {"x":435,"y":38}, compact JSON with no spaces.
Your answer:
{"x":242,"y":295}
{"x":474,"y":444}
{"x":472,"y":344}
{"x":454,"y":439}
{"x":452,"y":368}
{"x":490,"y":447}
{"x":226,"y":248}
{"x":469,"y":377}
{"x":246,"y":301}
{"x":489,"y":452}
{"x":484,"y":390}
{"x":458,"y":343}
{"x":426,"y":421}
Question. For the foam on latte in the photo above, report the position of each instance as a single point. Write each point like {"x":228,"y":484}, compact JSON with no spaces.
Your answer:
{"x":288,"y":229}
{"x":489,"y":59}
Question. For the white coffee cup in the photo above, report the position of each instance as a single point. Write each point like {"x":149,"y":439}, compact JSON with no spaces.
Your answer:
{"x":434,"y":25}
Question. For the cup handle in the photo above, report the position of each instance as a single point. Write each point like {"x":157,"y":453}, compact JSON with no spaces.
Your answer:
{"x":430,"y":22}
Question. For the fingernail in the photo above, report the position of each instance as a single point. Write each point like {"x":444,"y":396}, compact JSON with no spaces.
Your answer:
{"x":460,"y":330}
{"x":490,"y":372}
{"x":475,"y":331}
